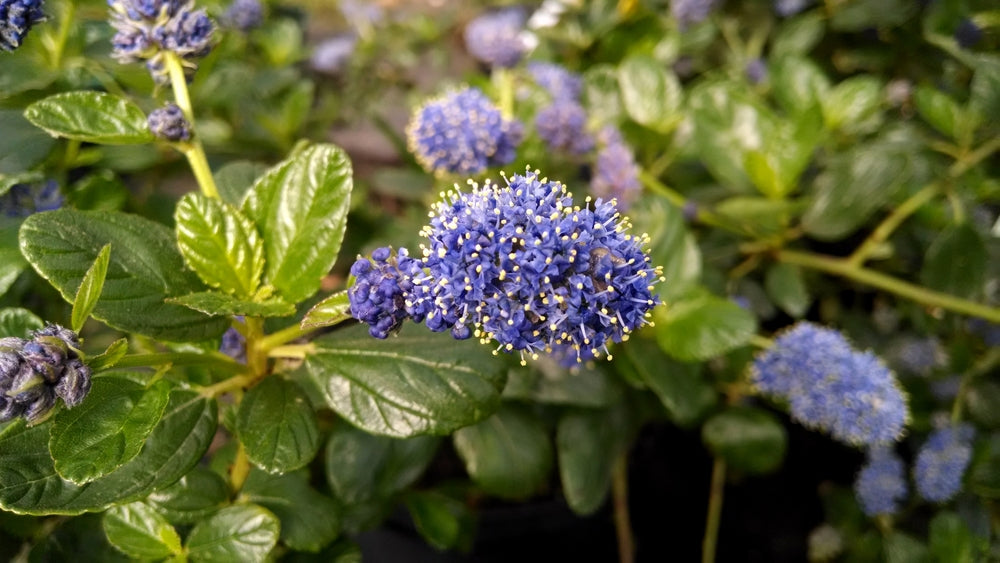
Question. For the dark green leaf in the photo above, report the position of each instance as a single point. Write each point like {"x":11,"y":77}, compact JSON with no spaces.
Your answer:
{"x":300,"y":207}
{"x":956,"y":262}
{"x":681,"y":388}
{"x":942,"y":112}
{"x":95,"y":117}
{"x":650,"y":94}
{"x":867,"y":14}
{"x":950,"y":539}
{"x":244,"y":532}
{"x":12,"y":262}
{"x":102,"y":189}
{"x":444,"y":522}
{"x":509,"y":454}
{"x":333,"y":310}
{"x":901,"y":548}
{"x":984,"y":473}
{"x":196,"y":495}
{"x":671,"y":245}
{"x":107,"y":430}
{"x":548,"y":382}
{"x":18,"y":322}
{"x":309,"y":520}
{"x":217,"y":303}
{"x":277,"y":426}
{"x":77,"y":539}
{"x":140,"y":532}
{"x":588,"y":443}
{"x":107,"y":359}
{"x":145,"y":269}
{"x":748,"y":439}
{"x":785,"y":286}
{"x":234,"y":180}
{"x":22,"y":145}
{"x":220,"y":244}
{"x":702,"y":327}
{"x":416,"y":383}
{"x":90,"y":289}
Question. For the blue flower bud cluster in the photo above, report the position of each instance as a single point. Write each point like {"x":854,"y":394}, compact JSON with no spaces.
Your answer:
{"x":462,"y":132}
{"x":494,"y":38}
{"x":24,"y":199}
{"x":561,"y":84}
{"x":616,"y":174}
{"x":149,"y":28}
{"x":16,"y":19}
{"x":832,"y":387}
{"x":942,"y":461}
{"x":234,"y":344}
{"x":881,"y":484}
{"x":168,"y":123}
{"x":518,"y":265}
{"x":244,"y":15}
{"x":563,"y":126}
{"x":37,"y":371}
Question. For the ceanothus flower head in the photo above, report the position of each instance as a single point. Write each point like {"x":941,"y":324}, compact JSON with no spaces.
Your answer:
{"x":37,"y":371}
{"x":168,"y":123}
{"x":149,"y":28}
{"x":25,"y":199}
{"x":616,"y":174}
{"x":560,"y":83}
{"x":244,"y":15}
{"x":690,"y":12}
{"x":462,"y":132}
{"x":563,"y":126}
{"x":942,"y":461}
{"x":17,"y":17}
{"x":378,"y":296}
{"x":881,"y":484}
{"x":494,"y":38}
{"x":831,"y":387}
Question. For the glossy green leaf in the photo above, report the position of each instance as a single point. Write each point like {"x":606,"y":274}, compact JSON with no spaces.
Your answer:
{"x":547,"y":382}
{"x":588,"y":443}
{"x":217,"y":303}
{"x":509,"y":454}
{"x":12,"y":262}
{"x":442,"y":521}
{"x":22,"y":145}
{"x":107,"y":430}
{"x":90,"y":289}
{"x":144,"y":270}
{"x":681,"y":387}
{"x":758,"y":214}
{"x":651,"y":95}
{"x":748,"y":439}
{"x":950,"y":539}
{"x":416,"y":383}
{"x":702,"y":327}
{"x":196,"y":495}
{"x":798,"y":35}
{"x":853,"y":104}
{"x":18,"y":322}
{"x":277,"y":425}
{"x":787,"y":289}
{"x":309,"y":519}
{"x":140,"y":532}
{"x":671,"y":246}
{"x":956,"y":262}
{"x":601,"y":91}
{"x":244,"y":532}
{"x":95,"y":117}
{"x":300,"y":207}
{"x":107,"y":359}
{"x":799,"y":84}
{"x":333,"y":310}
{"x":29,"y":483}
{"x":235,"y":178}
{"x":942,"y":112}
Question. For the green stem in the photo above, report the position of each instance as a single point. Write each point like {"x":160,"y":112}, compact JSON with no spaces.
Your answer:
{"x":219,"y":362}
{"x":761,"y":342}
{"x":286,"y":335}
{"x":930,"y":298}
{"x":679,"y":201}
{"x":299,"y":351}
{"x":891,"y":223}
{"x":505,"y":87}
{"x":973,"y":158}
{"x":718,"y":485}
{"x":193,"y":150}
{"x":240,"y":470}
{"x":956,"y":406}
{"x":65,"y":25}
{"x":623,"y":526}
{"x":227,"y":385}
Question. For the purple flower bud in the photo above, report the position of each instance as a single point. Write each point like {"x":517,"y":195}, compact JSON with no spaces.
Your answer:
{"x":168,"y":123}
{"x":881,"y":484}
{"x":562,"y":125}
{"x":495,"y":37}
{"x":148,"y":28}
{"x":968,"y":34}
{"x":16,"y":19}
{"x":244,"y":15}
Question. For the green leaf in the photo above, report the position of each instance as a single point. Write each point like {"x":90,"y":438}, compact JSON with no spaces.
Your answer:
{"x":681,"y":388}
{"x":18,"y":322}
{"x":984,"y":91}
{"x":950,"y":539}
{"x":551,"y":383}
{"x":77,"y":539}
{"x":12,"y":262}
{"x":416,"y":383}
{"x":217,"y":303}
{"x":798,"y":35}
{"x":146,"y":268}
{"x":196,"y":495}
{"x":588,"y":443}
{"x":235,"y":178}
{"x":785,"y":286}
{"x":860,"y":15}
{"x":601,"y":91}
{"x":107,"y":430}
{"x":671,"y":246}
{"x":277,"y":426}
{"x":853,"y":105}
{"x":29,"y":483}
{"x":244,"y":532}
{"x":902,"y":548}
{"x":90,"y":289}
{"x":22,"y":145}
{"x":140,"y":532}
{"x":220,"y":244}
{"x":984,"y":473}
{"x":107,"y":359}
{"x":956,"y":262}
{"x":333,"y":310}
{"x":309,"y":520}
{"x":942,"y":112}
{"x":650,"y":94}
{"x":758,"y":214}
{"x":748,"y":439}
{"x":982,"y":399}
{"x":95,"y":117}
{"x":300,"y":207}
{"x":445,"y":523}
{"x":703,"y":327}
{"x":799,"y":84}
{"x":509,"y":454}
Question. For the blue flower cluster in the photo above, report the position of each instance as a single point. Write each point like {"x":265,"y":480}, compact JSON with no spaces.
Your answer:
{"x":832,"y":387}
{"x":168,"y":123}
{"x":16,"y":19}
{"x":519,"y":265}
{"x":149,"y":28}
{"x":244,"y":15}
{"x":942,"y":461}
{"x":332,"y":55}
{"x":690,"y":12}
{"x":881,"y":484}
{"x":494,"y":38}
{"x":563,"y":126}
{"x":24,"y":199}
{"x":560,"y":83}
{"x":462,"y":133}
{"x":616,"y":174}
{"x":35,"y":372}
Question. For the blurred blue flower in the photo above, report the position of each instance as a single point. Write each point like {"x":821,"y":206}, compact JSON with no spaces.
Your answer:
{"x":149,"y":28}
{"x":563,"y":126}
{"x":989,"y":332}
{"x":462,"y":132}
{"x":756,"y":70}
{"x":244,"y":15}
{"x":831,"y":387}
{"x":37,"y":371}
{"x":968,"y":34}
{"x":361,"y":14}
{"x":24,"y":199}
{"x":918,"y":356}
{"x":881,"y":484}
{"x":786,"y":8}
{"x":616,"y":174}
{"x":560,"y":83}
{"x":942,"y":461}
{"x":689,"y":12}
{"x":494,"y":38}
{"x":332,"y":54}
{"x":168,"y":123}
{"x":16,"y":19}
